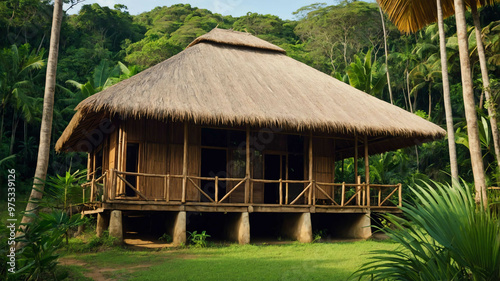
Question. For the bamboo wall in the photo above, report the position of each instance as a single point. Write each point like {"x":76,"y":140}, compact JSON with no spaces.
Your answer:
{"x":161,"y":147}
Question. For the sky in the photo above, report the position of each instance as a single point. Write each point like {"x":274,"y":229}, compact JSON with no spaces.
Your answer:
{"x":236,"y":8}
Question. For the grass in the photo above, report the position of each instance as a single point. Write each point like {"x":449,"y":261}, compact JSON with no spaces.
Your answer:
{"x":295,"y":261}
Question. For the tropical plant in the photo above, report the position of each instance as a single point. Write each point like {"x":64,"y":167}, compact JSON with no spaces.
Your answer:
{"x":63,"y":191}
{"x":366,"y":75}
{"x":41,"y":239}
{"x":198,"y":239}
{"x":445,"y":236}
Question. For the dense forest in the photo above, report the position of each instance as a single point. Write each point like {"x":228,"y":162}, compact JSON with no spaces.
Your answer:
{"x":101,"y":46}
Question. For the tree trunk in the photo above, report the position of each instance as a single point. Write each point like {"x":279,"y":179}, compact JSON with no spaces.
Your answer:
{"x":48,"y":108}
{"x":486,"y":82}
{"x":386,"y":55}
{"x":469,"y":105}
{"x":446,"y":95}
{"x":408,"y":89}
{"x":15,"y":122}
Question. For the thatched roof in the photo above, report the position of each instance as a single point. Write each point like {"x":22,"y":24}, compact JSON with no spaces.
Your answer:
{"x":232,"y":78}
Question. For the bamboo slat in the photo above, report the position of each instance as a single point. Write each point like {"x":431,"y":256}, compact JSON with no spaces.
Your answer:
{"x":388,"y":196}
{"x":133,"y":188}
{"x":202,"y":192}
{"x":300,"y":194}
{"x":328,"y":196}
{"x":231,"y":191}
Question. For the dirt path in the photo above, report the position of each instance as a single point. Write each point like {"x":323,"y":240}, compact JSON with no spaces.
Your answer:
{"x":95,"y":274}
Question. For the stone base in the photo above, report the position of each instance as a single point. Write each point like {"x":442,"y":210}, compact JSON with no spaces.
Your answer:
{"x":102,"y":223}
{"x":238,"y":228}
{"x":298,"y":226}
{"x":116,"y":225}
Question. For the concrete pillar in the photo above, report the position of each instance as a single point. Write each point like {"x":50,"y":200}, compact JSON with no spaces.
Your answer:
{"x":298,"y":226}
{"x":359,"y":227}
{"x":239,"y":228}
{"x":116,"y":225}
{"x":179,"y":231}
{"x":102,"y":223}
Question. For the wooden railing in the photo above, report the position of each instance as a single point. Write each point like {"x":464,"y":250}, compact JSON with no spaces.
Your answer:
{"x":97,"y":187}
{"x":312,"y":193}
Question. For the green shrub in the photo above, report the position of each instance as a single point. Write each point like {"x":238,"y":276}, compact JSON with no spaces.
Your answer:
{"x":198,"y":239}
{"x":445,"y":237}
{"x":165,"y":237}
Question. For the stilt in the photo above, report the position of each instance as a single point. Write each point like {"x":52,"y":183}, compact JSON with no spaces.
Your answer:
{"x":102,"y":223}
{"x":298,"y":226}
{"x":179,"y":236}
{"x":116,"y":225}
{"x":239,"y":228}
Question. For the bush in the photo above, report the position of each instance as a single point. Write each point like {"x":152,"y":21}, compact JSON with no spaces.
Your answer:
{"x":445,"y":237}
{"x":198,"y":239}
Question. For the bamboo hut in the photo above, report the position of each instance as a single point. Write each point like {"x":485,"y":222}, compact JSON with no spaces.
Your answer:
{"x":232,"y":124}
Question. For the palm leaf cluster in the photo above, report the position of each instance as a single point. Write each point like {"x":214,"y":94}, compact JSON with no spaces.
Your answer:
{"x":446,"y":236}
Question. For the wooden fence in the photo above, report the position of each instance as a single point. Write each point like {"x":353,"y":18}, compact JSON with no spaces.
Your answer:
{"x":332,"y":194}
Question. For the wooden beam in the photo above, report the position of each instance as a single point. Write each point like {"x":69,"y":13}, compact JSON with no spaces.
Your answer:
{"x":247,"y":164}
{"x":184,"y":162}
{"x":367,"y":171}
{"x":356,"y":156}
{"x":310,"y":167}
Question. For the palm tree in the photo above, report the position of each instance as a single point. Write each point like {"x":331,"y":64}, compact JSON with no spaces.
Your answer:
{"x":19,"y":68}
{"x":486,"y":82}
{"x":408,"y":20}
{"x":469,"y":104}
{"x":48,"y":108}
{"x":411,"y":15}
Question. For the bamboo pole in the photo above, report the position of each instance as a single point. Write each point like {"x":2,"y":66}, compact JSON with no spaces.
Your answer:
{"x":310,"y":167}
{"x":400,"y":195}
{"x":164,"y":187}
{"x":217,"y":189}
{"x":281,"y":191}
{"x":367,"y":171}
{"x":89,"y":168}
{"x":168,"y":187}
{"x":333,"y":172}
{"x":247,"y":165}
{"x":184,"y":162}
{"x":343,"y":195}
{"x":113,"y":184}
{"x":356,"y":157}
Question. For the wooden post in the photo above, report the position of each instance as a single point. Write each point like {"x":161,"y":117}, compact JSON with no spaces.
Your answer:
{"x":343,"y":195}
{"x":281,"y":191}
{"x":356,"y":156}
{"x":367,"y":171}
{"x":400,"y":195}
{"x":92,"y":189}
{"x":379,"y":195}
{"x":216,"y":189}
{"x":286,"y":178}
{"x":310,"y":167}
{"x":333,"y":172}
{"x":247,"y":165}
{"x":164,"y":187}
{"x":89,"y":168}
{"x":113,"y":184}
{"x":356,"y":180}
{"x":168,"y":188}
{"x":184,"y":162}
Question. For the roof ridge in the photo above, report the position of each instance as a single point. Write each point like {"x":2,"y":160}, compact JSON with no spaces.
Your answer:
{"x":236,"y":38}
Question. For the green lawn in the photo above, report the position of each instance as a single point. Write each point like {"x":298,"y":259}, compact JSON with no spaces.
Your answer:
{"x":319,"y":261}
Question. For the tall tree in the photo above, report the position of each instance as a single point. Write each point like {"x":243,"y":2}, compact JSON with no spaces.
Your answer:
{"x":48,"y":108}
{"x":486,"y":82}
{"x":469,"y":104}
{"x":386,"y":54}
